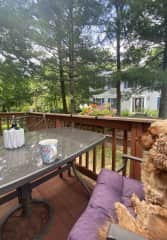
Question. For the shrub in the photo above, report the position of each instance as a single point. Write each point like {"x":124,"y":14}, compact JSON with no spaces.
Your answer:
{"x":151,"y":113}
{"x":125,"y":113}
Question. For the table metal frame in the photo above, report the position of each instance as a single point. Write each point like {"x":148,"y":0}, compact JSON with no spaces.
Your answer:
{"x":24,"y":187}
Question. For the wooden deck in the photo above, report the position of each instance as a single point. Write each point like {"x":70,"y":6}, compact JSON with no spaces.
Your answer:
{"x":68,"y":199}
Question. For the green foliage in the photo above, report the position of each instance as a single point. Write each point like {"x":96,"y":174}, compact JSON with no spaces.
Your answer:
{"x":53,"y":50}
{"x":150,"y":25}
{"x":101,"y":112}
{"x":146,"y":113}
{"x":27,"y":108}
{"x":151,"y":113}
{"x":125,"y":113}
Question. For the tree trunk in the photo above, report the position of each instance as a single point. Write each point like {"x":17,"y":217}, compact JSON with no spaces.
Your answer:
{"x":62,"y":83}
{"x":4,"y":108}
{"x":118,"y":36}
{"x":163,"y":100}
{"x":71,"y":58}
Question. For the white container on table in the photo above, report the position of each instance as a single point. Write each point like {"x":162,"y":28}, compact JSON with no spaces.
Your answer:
{"x":13,"y":138}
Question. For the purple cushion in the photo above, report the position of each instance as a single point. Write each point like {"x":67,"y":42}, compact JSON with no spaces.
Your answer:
{"x":86,"y":228}
{"x":109,"y":178}
{"x":110,"y":188}
{"x":131,"y":186}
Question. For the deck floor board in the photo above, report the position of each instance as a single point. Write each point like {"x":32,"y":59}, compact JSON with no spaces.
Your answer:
{"x":68,"y":199}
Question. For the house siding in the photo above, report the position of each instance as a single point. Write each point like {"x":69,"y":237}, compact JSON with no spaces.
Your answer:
{"x":151,"y":98}
{"x":150,"y":101}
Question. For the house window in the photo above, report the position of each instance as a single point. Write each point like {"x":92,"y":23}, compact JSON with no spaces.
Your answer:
{"x":112,"y":102}
{"x":99,"y":101}
{"x":138,"y":104}
{"x":126,"y":85}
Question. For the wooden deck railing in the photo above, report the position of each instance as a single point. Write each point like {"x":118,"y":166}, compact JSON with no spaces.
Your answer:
{"x":123,"y":135}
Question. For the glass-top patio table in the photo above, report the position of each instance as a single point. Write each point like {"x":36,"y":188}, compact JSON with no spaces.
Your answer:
{"x":22,"y":169}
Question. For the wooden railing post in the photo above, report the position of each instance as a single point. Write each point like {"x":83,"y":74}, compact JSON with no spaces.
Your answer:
{"x":58,"y":123}
{"x":113,"y":149}
{"x":136,"y":149}
{"x":94,"y":160}
{"x":29,"y":121}
{"x":103,"y":146}
{"x":125,"y":141}
{"x":87,"y":160}
{"x":8,"y":122}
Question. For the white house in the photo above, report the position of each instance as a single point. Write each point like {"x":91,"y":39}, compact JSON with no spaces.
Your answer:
{"x":133,"y":100}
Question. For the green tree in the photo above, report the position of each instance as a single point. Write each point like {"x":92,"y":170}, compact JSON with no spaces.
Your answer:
{"x":14,"y":87}
{"x":16,"y":66}
{"x":66,"y":23}
{"x":116,"y":24}
{"x":150,"y":24}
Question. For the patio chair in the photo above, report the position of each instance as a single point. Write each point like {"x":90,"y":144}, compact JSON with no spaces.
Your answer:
{"x":116,"y":232}
{"x":111,"y":187}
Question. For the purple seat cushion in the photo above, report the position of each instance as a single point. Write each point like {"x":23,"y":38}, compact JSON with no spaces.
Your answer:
{"x":86,"y":228}
{"x":110,"y":188}
{"x":131,"y":186}
{"x":107,"y":191}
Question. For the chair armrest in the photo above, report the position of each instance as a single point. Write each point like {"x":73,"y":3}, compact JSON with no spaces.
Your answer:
{"x":125,"y":158}
{"x":116,"y":232}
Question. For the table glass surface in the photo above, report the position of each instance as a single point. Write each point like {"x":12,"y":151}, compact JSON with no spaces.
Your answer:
{"x":26,"y":163}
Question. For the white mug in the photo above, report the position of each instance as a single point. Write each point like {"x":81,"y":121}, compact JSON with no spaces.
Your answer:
{"x":48,"y":150}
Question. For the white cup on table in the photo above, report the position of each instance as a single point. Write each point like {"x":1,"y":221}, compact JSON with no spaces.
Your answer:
{"x":48,"y":150}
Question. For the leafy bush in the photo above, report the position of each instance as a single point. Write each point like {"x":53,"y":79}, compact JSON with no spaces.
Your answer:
{"x":125,"y":113}
{"x":151,"y":113}
{"x":100,"y":112}
{"x":27,"y":108}
{"x":146,"y":113}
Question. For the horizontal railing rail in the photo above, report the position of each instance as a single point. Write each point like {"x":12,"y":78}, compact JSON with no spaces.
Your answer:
{"x":123,"y":136}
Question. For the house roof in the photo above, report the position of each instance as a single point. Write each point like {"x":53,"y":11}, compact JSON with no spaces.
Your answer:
{"x":105,"y":73}
{"x":111,"y":93}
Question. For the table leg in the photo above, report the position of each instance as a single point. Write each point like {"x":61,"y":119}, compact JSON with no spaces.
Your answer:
{"x":31,"y":216}
{"x":60,"y":174}
{"x":80,"y":179}
{"x":25,"y":198}
{"x":69,"y":172}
